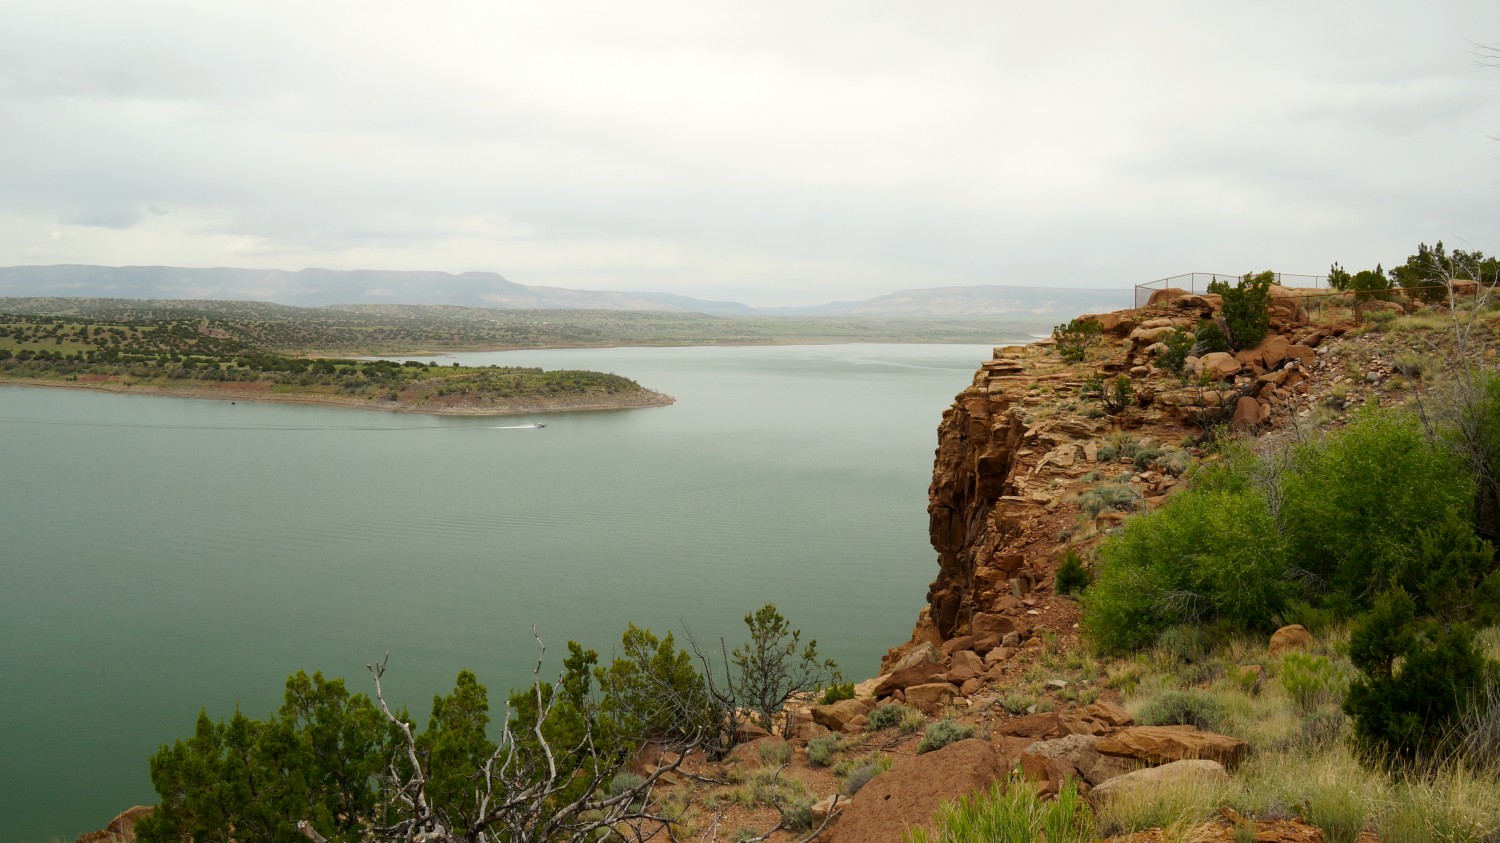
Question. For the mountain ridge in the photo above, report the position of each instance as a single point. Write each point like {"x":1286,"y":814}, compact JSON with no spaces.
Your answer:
{"x":315,"y":287}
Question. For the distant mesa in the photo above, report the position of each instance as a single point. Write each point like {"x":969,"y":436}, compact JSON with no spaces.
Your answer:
{"x":322,"y":287}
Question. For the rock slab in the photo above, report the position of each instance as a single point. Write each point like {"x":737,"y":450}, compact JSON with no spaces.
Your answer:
{"x":906,"y":796}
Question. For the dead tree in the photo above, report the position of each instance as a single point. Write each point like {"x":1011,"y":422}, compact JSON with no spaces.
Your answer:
{"x":526,"y":791}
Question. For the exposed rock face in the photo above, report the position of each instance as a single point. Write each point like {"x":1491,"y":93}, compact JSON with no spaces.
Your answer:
{"x":977,"y":444}
{"x":906,"y":796}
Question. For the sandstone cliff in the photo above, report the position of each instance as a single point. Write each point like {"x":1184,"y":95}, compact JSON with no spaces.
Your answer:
{"x":1018,"y":451}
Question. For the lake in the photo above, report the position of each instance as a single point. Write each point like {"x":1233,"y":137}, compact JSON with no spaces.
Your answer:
{"x":158,"y":555}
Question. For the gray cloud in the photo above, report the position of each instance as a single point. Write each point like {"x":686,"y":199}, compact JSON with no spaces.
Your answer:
{"x":772,"y":152}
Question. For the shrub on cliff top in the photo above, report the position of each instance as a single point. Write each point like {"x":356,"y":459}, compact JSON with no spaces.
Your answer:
{"x":1247,"y":308}
{"x":1075,"y":338}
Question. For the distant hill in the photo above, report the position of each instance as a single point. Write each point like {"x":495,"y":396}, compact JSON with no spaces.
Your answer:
{"x":978,"y":301}
{"x":323,"y":287}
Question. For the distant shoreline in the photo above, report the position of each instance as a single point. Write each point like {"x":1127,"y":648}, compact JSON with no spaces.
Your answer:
{"x":236,"y":392}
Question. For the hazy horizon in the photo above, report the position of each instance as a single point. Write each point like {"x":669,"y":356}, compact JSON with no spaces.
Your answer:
{"x":765,"y":153}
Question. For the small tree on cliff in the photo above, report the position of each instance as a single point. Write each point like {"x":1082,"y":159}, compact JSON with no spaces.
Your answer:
{"x":771,"y":667}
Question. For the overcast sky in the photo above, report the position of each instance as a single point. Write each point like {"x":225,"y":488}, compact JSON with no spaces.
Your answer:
{"x":770,"y":152}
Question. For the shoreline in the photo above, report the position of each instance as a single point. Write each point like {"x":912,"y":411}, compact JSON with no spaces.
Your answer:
{"x":517,"y":407}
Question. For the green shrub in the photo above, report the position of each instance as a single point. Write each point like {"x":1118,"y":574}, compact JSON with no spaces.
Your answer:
{"x":652,"y":690}
{"x":886,"y":716}
{"x":1113,"y":396}
{"x":1016,"y":704}
{"x":1338,"y":277}
{"x":798,"y":816}
{"x":1247,"y":308}
{"x":911,"y":722}
{"x":1108,"y":497}
{"x":942,"y":733}
{"x":1370,"y":284}
{"x":835,"y":693}
{"x":1187,"y":708}
{"x":1076,"y":338}
{"x":1209,"y":339}
{"x":1179,"y":346}
{"x":775,"y":753}
{"x":770,"y":788}
{"x":1212,"y":552}
{"x":1415,"y":679}
{"x":1011,"y":812}
{"x":1072,"y":577}
{"x":1311,"y":681}
{"x":623,"y":782}
{"x":820,"y":750}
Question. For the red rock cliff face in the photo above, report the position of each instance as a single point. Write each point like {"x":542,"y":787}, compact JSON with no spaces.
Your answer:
{"x":971,"y":480}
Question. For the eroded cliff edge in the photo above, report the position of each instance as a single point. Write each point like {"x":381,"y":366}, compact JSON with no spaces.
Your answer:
{"x":1019,"y":452}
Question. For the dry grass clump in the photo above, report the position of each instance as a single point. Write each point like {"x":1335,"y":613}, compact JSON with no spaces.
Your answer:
{"x":1300,"y":763}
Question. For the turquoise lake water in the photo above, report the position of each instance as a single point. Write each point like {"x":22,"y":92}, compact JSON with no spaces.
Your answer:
{"x":158,"y":555}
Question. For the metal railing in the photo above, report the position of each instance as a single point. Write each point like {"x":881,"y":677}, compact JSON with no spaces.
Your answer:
{"x":1197,"y":282}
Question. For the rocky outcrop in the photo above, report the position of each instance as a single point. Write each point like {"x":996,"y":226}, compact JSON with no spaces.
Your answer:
{"x":121,"y":829}
{"x":1018,"y":433}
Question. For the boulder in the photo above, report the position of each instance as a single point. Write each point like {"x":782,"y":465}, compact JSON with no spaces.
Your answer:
{"x":747,"y":731}
{"x":1144,"y":336}
{"x":997,"y":655}
{"x":1163,"y":744}
{"x":902,"y":679}
{"x":1178,"y":773}
{"x":1305,"y":355}
{"x":1079,"y":752}
{"x":1166,"y":295}
{"x":822,"y":808}
{"x":806,"y":730}
{"x":906,"y":796}
{"x":1465,"y":287}
{"x":1218,"y":365}
{"x":121,"y":829}
{"x":986,"y":624}
{"x":968,"y":659}
{"x":953,"y":645}
{"x":836,"y":716}
{"x":1289,"y":638}
{"x":745,"y":753}
{"x":1031,"y":726}
{"x":1249,"y":414}
{"x":924,"y":653}
{"x":931,"y":696}
{"x":1120,"y":323}
{"x":1109,"y":713}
